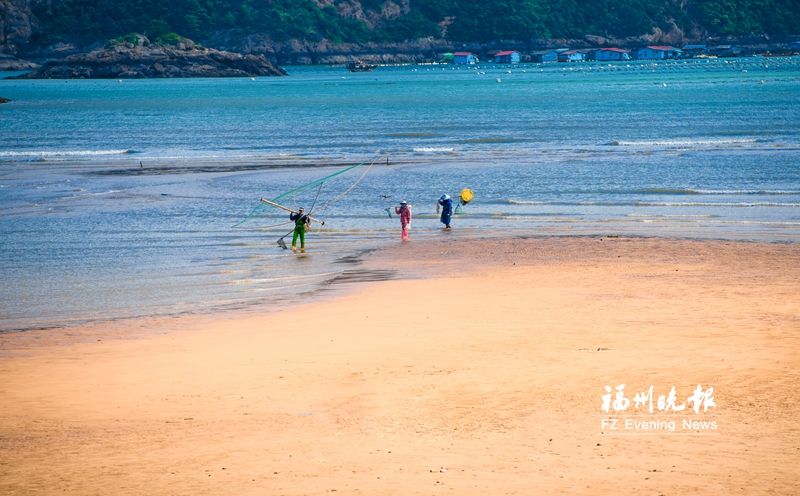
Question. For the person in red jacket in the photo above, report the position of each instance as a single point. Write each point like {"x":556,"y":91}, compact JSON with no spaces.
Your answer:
{"x":404,"y":211}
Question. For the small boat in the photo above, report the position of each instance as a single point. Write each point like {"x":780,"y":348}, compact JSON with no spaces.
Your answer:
{"x":359,"y":66}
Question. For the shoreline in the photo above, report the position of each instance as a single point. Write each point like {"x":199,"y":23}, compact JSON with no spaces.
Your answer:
{"x":346,"y":281}
{"x":368,"y":265}
{"x":484,"y":377}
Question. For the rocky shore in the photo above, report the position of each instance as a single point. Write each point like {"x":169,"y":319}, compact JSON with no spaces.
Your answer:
{"x":22,"y":47}
{"x":11,"y":63}
{"x":295,"y":52}
{"x":126,"y":61}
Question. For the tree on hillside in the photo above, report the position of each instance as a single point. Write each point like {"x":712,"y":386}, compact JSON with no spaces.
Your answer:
{"x":86,"y":21}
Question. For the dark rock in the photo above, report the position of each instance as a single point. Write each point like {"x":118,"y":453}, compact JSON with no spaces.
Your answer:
{"x":17,"y":24}
{"x":57,"y":51}
{"x":4,"y":100}
{"x":11,"y":63}
{"x":296,"y":52}
{"x":122,"y":61}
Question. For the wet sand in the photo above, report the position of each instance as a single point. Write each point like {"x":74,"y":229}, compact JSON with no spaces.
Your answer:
{"x":480,"y":373}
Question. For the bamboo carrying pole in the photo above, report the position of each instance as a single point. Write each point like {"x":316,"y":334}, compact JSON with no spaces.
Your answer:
{"x":292,"y":211}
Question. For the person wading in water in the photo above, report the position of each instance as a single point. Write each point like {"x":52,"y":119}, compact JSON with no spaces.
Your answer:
{"x":300,"y":223}
{"x":404,"y":211}
{"x":447,"y":210}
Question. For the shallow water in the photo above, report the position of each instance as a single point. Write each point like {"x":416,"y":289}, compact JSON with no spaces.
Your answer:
{"x":118,"y":199}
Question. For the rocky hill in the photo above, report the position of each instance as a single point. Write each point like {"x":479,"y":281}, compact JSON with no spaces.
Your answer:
{"x":17,"y":23}
{"x":333,"y":31}
{"x":128,"y":61}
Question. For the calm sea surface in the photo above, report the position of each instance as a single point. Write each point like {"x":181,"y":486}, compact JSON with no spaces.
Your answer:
{"x":117,"y":199}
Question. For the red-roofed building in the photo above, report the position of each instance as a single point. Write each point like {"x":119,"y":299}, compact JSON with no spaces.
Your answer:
{"x":657,"y":53}
{"x":507,"y":57}
{"x":465,"y":58}
{"x":612,"y":54}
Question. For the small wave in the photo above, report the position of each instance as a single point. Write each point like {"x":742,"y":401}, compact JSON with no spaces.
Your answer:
{"x":283,"y":278}
{"x":684,"y":143}
{"x":674,"y":216}
{"x":491,"y":140}
{"x":650,"y":203}
{"x":254,"y":281}
{"x":756,"y":222}
{"x":663,"y":191}
{"x":714,"y":204}
{"x":748,"y":192}
{"x":412,"y":135}
{"x":536,"y":218}
{"x":69,"y":153}
{"x":426,"y":149}
{"x":101,"y":193}
{"x":522,"y":202}
{"x":666,"y":191}
{"x":689,"y":191}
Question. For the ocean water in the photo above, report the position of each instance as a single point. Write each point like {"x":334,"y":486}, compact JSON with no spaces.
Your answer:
{"x":118,"y":199}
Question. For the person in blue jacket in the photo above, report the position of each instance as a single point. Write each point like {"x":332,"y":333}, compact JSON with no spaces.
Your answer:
{"x":447,"y":210}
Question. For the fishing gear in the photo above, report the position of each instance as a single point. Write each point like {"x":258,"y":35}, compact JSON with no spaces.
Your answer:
{"x":308,"y":218}
{"x":290,"y":210}
{"x":281,"y":243}
{"x":465,"y":197}
{"x":389,"y":209}
{"x":318,"y":182}
{"x":306,"y":224}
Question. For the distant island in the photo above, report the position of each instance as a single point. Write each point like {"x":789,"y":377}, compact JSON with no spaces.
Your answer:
{"x":126,"y":60}
{"x":390,"y":31}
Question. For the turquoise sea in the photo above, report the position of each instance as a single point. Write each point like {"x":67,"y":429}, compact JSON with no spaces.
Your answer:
{"x":117,"y":198}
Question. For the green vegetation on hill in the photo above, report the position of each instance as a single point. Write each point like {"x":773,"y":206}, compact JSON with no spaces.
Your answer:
{"x":86,"y":21}
{"x":522,"y":19}
{"x":743,"y":17}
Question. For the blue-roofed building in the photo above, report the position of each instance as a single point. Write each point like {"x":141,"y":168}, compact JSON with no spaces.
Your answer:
{"x":728,"y":51}
{"x":694,"y":50}
{"x":545,"y":56}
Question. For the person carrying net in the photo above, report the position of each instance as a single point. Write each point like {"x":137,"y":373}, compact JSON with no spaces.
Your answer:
{"x":301,"y":222}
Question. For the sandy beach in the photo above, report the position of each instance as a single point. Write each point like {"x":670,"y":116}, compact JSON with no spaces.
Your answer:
{"x":478,"y":369}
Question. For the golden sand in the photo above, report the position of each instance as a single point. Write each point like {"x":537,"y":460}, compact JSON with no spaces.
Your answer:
{"x":481,"y":374}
